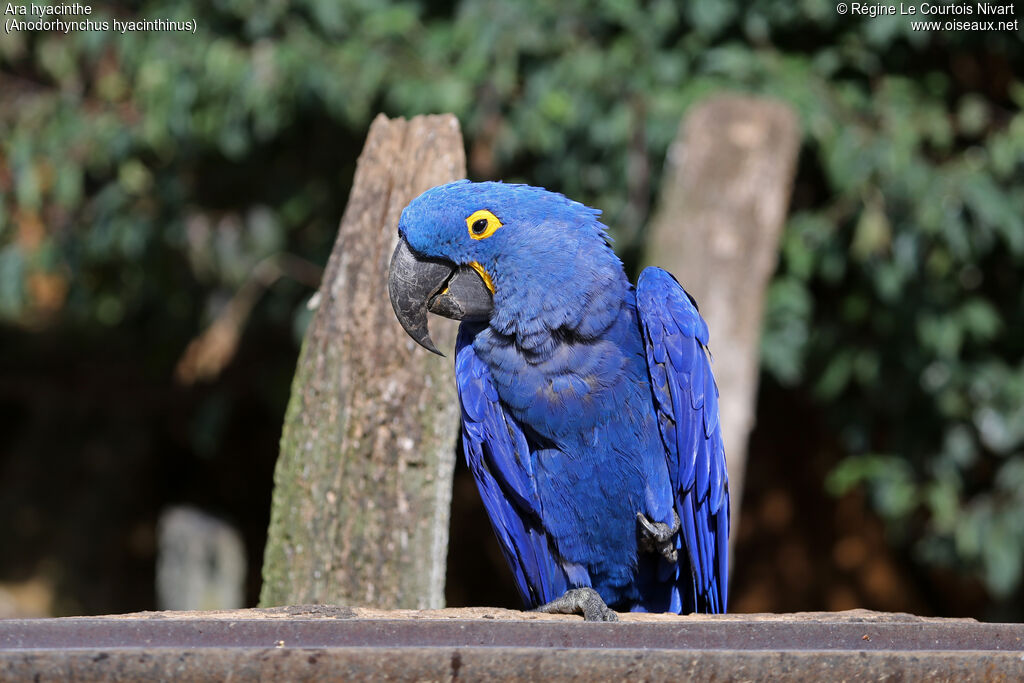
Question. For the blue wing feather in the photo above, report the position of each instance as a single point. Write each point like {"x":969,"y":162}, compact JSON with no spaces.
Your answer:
{"x":498,"y":455}
{"x":686,"y":398}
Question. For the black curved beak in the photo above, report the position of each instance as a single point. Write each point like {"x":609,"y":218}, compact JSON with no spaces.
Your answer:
{"x":417,"y":285}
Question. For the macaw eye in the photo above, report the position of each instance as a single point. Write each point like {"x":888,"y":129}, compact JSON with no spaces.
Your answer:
{"x":482,"y":224}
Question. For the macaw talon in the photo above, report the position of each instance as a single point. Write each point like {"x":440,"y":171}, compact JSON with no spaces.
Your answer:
{"x":658,"y":537}
{"x":585,"y":601}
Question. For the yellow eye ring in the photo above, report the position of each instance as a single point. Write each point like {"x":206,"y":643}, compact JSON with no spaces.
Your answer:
{"x":482,"y":224}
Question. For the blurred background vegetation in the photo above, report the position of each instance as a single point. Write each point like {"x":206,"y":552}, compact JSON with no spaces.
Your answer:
{"x":167,"y":199}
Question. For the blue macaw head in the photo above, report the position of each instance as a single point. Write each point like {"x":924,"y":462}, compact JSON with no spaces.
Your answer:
{"x":468,"y":250}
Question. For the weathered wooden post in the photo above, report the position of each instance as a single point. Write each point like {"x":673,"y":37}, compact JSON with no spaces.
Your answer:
{"x":363,"y":482}
{"x":721,"y":210}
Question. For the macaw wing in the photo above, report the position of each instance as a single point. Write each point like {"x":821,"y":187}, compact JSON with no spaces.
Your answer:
{"x":686,"y":398}
{"x":500,"y":458}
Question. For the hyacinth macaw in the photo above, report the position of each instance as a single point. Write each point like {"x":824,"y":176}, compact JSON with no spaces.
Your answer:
{"x":589,"y":411}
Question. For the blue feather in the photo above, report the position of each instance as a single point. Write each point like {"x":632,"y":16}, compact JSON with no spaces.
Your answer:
{"x":585,"y":401}
{"x":704,"y":482}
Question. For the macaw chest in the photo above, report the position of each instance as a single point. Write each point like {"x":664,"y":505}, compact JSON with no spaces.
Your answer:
{"x":570,"y":392}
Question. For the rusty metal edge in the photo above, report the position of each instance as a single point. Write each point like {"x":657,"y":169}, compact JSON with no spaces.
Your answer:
{"x":501,"y":664}
{"x":733,"y":635}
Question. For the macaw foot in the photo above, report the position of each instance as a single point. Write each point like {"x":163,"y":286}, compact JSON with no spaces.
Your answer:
{"x":658,"y":537}
{"x":583,"y":601}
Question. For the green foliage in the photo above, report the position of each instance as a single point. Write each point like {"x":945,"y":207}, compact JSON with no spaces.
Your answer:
{"x":913,"y":259}
{"x":151,"y":171}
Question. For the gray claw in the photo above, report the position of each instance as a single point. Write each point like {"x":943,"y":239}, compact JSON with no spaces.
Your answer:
{"x":658,"y":537}
{"x":585,"y":601}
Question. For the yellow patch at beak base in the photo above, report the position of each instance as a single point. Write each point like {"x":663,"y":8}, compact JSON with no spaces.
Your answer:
{"x":483,"y":275}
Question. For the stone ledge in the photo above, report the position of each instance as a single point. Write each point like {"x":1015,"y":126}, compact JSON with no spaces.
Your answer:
{"x":500,"y":614}
{"x":318,"y":642}
{"x":503,"y":664}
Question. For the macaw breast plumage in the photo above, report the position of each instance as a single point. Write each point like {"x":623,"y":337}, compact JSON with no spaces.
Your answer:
{"x":589,"y":411}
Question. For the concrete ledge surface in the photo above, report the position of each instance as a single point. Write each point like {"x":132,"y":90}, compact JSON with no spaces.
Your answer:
{"x":318,"y":642}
